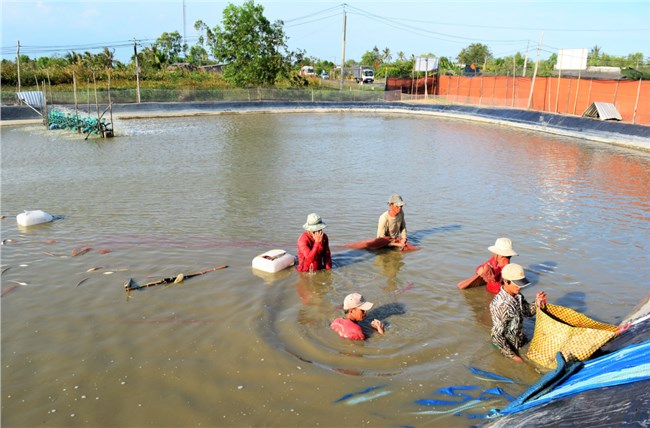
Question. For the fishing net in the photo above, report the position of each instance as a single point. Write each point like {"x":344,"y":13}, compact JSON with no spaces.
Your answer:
{"x":560,"y":329}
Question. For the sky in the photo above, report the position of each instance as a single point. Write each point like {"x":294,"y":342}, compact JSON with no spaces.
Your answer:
{"x":419,"y":28}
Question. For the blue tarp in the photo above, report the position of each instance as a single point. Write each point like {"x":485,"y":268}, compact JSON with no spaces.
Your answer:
{"x":627,"y":365}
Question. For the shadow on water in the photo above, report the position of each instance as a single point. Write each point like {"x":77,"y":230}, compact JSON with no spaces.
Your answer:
{"x":351,"y":257}
{"x":381,"y":313}
{"x":354,"y":256}
{"x":574,"y":300}
{"x":416,"y":237}
{"x":535,"y":270}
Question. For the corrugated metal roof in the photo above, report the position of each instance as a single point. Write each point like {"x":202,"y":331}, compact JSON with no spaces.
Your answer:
{"x":602,"y":111}
{"x":32,"y":98}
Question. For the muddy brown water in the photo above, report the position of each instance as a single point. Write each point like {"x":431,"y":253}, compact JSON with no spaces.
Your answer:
{"x":236,"y":347}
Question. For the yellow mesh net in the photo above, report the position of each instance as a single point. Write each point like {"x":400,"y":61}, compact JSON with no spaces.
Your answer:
{"x":560,"y":329}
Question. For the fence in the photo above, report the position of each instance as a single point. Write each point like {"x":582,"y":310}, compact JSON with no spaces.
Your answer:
{"x":86,"y":99}
{"x":570,"y":96}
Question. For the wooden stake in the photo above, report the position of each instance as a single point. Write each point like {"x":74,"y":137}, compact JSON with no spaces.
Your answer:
{"x":636,"y":103}
{"x":110,"y":103}
{"x":76,"y":107}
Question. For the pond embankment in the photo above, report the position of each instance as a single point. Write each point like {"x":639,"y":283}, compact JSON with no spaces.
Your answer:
{"x":611,"y":132}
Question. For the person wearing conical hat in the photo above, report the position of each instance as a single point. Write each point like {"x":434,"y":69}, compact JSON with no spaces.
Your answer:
{"x":313,"y":246}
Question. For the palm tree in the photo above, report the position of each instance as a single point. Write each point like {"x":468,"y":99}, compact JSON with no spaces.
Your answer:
{"x":385,"y":55}
{"x":594,"y":55}
{"x":106,"y":58}
{"x":73,"y":57}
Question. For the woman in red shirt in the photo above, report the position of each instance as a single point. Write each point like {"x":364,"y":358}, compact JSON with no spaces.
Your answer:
{"x":313,"y":246}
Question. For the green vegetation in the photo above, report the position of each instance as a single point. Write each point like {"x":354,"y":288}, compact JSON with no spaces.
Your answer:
{"x":251,"y":52}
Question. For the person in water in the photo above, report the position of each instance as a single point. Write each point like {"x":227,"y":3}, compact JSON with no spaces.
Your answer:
{"x":491,"y":270}
{"x":392,"y":224}
{"x":355,"y":307}
{"x":508,"y":309}
{"x":313,"y":246}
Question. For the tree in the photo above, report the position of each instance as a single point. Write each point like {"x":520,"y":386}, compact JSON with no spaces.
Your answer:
{"x":385,"y":55}
{"x":476,"y":53}
{"x":170,"y":46}
{"x":197,"y":55}
{"x":593,"y":56}
{"x":634,"y":60}
{"x":371,"y":58}
{"x":253,"y":48}
{"x":106,"y":58}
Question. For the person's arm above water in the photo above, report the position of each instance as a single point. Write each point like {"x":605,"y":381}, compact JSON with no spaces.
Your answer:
{"x":378,"y":325}
{"x":382,"y":226}
{"x":327,"y":256}
{"x":306,"y":254}
{"x":403,"y":228}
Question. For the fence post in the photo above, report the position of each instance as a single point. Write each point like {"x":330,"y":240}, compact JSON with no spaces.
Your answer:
{"x":568,"y":94}
{"x":494,"y":84}
{"x":636,"y":103}
{"x":575,"y":103}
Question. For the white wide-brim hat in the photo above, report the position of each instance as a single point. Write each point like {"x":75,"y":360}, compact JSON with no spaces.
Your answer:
{"x":503,"y":247}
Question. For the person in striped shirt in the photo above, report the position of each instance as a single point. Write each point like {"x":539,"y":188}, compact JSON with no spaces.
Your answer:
{"x":508,"y":309}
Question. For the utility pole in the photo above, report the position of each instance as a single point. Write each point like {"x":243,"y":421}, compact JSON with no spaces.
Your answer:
{"x":532,"y":84}
{"x":184,"y":35}
{"x":343,"y":50}
{"x":525,"y":59}
{"x":137,"y":72}
{"x":18,"y":62}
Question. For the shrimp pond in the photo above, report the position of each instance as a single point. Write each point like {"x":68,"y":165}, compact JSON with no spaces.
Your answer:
{"x":236,"y":347}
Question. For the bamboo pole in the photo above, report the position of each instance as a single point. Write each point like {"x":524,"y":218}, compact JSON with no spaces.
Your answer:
{"x":532,"y":84}
{"x":548,"y":92}
{"x":636,"y":103}
{"x":110,"y":104}
{"x":575,"y":103}
{"x":514,"y":80}
{"x":494,"y":84}
{"x":568,"y":95}
{"x":18,"y":63}
{"x":76,"y":108}
{"x":49,"y":86}
{"x":557,"y":94}
{"x":45,"y":115}
{"x":88,"y":96}
{"x":99,"y":127}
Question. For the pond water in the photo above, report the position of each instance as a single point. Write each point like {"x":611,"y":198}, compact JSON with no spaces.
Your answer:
{"x":235,"y":347}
